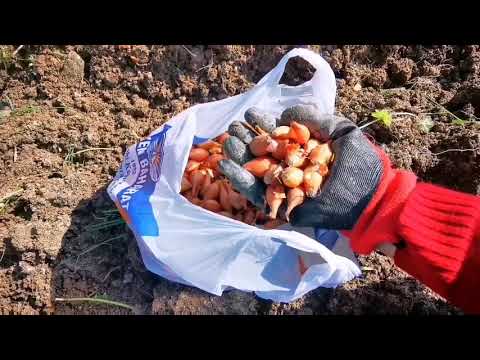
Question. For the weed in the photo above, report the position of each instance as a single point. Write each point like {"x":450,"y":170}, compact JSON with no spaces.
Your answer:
{"x":6,"y":57}
{"x":384,"y":117}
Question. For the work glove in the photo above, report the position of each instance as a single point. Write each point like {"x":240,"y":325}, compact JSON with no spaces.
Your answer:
{"x":358,"y":169}
{"x":354,"y":175}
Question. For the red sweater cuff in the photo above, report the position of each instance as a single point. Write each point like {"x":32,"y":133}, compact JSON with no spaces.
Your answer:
{"x":378,"y":223}
{"x":440,"y":228}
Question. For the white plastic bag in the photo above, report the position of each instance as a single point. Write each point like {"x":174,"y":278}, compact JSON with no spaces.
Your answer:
{"x":190,"y":245}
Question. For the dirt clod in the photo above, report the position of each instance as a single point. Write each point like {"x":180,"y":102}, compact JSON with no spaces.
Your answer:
{"x":401,"y":70}
{"x":376,"y":78}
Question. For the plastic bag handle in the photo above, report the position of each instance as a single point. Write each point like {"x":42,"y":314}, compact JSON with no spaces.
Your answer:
{"x":274,"y":76}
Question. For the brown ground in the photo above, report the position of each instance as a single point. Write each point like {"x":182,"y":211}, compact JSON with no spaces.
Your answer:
{"x":55,"y":238}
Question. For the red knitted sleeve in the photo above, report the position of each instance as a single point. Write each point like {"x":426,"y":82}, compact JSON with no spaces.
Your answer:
{"x":439,"y":227}
{"x":441,"y":230}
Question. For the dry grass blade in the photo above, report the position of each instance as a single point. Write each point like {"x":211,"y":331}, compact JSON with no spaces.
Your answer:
{"x":8,"y":199}
{"x":10,"y":103}
{"x":250,"y":127}
{"x":17,"y":50}
{"x":455,"y":117}
{"x":3,"y":254}
{"x":13,"y":194}
{"x":455,"y":150}
{"x":106,"y":224}
{"x":110,"y":272}
{"x":209,"y":65}
{"x":70,"y":157}
{"x":367,"y":268}
{"x":91,"y":248}
{"x":96,"y":246}
{"x":96,"y":301}
{"x":403,"y":113}
{"x":186,"y":49}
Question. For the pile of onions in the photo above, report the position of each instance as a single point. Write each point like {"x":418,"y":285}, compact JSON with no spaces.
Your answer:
{"x":290,"y":160}
{"x":293,"y":164}
{"x":203,"y":185}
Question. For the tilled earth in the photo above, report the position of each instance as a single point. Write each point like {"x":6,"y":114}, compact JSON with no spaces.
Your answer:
{"x":68,"y":113}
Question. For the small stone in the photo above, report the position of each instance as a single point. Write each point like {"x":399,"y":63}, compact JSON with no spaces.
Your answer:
{"x":74,"y":66}
{"x":31,"y":92}
{"x":340,"y":83}
{"x":21,"y":238}
{"x":34,"y":231}
{"x":25,"y":268}
{"x":5,"y":110}
{"x":29,"y":257}
{"x":357,"y":87}
{"x":116,"y":283}
{"x":125,"y":121}
{"x":148,"y":76}
{"x":128,"y":278}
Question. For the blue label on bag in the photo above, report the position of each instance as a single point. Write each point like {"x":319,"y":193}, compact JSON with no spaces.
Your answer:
{"x":135,"y":198}
{"x":198,"y":140}
{"x":327,"y":238}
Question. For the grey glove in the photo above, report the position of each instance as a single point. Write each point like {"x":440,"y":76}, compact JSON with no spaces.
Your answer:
{"x":354,"y":175}
{"x":353,"y":178}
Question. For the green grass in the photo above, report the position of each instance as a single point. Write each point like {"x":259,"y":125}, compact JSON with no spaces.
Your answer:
{"x":9,"y":200}
{"x":108,"y":219}
{"x":456,"y":120}
{"x":26,"y":110}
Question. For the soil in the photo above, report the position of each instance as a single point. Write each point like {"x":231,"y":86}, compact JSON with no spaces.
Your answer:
{"x":59,"y":234}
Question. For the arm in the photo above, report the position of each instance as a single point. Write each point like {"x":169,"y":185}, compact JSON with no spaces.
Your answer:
{"x":436,"y":230}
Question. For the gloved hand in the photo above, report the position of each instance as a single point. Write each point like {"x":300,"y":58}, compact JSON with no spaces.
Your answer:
{"x":354,"y":175}
{"x":358,"y":169}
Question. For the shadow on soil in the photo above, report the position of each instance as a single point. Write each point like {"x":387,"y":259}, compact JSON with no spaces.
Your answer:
{"x":99,"y":259}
